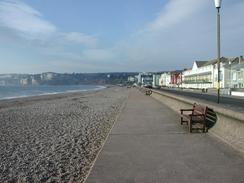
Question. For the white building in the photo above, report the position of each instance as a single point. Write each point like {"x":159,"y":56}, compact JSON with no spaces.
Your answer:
{"x":235,"y":74}
{"x":139,"y":79}
{"x":24,"y":81}
{"x":204,"y":74}
{"x":145,"y":79}
{"x":48,"y":75}
{"x":164,"y":80}
{"x":155,"y":82}
{"x":199,"y":76}
{"x":131,"y":79}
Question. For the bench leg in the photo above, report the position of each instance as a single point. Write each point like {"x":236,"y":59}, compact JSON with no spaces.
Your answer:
{"x":181,"y":118}
{"x":204,"y":128}
{"x":183,"y":121}
{"x":190,"y":126}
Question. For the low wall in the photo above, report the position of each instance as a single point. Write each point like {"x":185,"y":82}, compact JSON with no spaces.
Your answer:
{"x":229,"y":126}
{"x":236,"y":93}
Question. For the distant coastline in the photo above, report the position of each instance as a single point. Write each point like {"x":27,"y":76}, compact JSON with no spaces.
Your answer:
{"x":51,"y":78}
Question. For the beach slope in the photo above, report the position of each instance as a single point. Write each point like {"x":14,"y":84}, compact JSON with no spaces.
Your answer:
{"x":55,"y":138}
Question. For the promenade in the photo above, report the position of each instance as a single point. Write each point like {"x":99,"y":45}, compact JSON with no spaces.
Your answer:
{"x":148,"y":145}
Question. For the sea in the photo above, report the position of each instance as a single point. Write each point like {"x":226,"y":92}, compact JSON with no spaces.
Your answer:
{"x":11,"y":92}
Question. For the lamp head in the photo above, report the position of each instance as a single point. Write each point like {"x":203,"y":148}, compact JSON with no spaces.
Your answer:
{"x":217,"y":3}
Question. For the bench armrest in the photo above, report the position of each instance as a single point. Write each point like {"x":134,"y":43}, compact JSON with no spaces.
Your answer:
{"x":186,"y":110}
{"x":182,"y":110}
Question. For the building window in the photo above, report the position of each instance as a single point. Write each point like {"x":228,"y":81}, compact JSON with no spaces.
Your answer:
{"x":234,"y":76}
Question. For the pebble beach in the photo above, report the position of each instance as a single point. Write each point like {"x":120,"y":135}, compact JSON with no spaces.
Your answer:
{"x":55,"y":138}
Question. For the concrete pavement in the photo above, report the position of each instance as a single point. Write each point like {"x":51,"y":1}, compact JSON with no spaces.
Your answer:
{"x":148,"y":144}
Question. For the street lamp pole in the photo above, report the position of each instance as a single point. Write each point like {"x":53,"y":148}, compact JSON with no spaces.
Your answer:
{"x":218,"y":45}
{"x":218,"y":5}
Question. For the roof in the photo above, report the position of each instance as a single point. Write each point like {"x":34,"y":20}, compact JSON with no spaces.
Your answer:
{"x":200,"y":63}
{"x":214,"y":61}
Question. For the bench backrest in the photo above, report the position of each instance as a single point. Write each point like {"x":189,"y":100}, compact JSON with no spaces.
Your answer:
{"x":199,"y":109}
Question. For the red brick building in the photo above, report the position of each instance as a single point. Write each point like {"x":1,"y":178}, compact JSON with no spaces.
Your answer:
{"x":176,"y":78}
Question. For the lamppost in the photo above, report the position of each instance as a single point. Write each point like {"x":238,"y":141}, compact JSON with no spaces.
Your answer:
{"x":218,"y":6}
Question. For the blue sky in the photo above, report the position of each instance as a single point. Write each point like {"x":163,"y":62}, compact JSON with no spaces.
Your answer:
{"x":112,"y":36}
{"x":110,"y":19}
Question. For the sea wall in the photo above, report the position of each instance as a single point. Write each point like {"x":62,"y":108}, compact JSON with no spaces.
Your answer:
{"x":229,"y":126}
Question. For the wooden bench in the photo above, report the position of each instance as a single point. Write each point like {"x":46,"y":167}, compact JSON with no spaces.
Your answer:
{"x":148,"y":92}
{"x":196,"y":115}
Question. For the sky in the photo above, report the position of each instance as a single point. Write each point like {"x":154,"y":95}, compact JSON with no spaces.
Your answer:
{"x":69,"y":36}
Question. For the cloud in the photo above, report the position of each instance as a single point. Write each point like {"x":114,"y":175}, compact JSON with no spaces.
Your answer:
{"x":29,"y":24}
{"x":25,"y":20}
{"x":98,"y":55}
{"x":184,"y":31}
{"x":27,"y":30}
{"x":175,"y":12}
{"x":80,"y":38}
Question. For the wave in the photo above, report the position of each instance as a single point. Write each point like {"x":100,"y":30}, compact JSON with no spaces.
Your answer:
{"x":14,"y":97}
{"x":41,"y":93}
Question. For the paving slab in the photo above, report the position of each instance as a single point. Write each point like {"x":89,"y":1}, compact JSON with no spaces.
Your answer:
{"x":148,"y":144}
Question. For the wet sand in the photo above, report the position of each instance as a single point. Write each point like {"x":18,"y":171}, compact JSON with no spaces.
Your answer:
{"x":55,"y":138}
